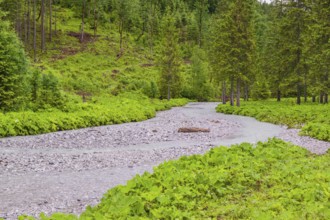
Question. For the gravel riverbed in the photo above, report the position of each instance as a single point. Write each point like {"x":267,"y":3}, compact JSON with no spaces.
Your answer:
{"x":67,"y":171}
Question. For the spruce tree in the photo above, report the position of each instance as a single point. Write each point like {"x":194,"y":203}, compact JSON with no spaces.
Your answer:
{"x":13,"y":67}
{"x":169,"y":60}
{"x":233,"y":47}
{"x":318,"y":49}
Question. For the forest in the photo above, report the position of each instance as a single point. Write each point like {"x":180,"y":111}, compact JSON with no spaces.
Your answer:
{"x":197,"y":49}
{"x":72,"y":64}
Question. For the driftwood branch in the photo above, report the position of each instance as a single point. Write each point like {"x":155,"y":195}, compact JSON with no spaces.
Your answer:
{"x":193,"y":130}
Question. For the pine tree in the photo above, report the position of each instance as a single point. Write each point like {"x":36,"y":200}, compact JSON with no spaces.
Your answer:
{"x":292,"y":28}
{"x":318,"y":48}
{"x":169,"y":60}
{"x":234,"y":45}
{"x":201,"y":89}
{"x":13,"y":67}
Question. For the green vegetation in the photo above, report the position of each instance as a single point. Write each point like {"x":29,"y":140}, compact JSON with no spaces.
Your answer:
{"x":274,"y":180}
{"x":115,"y":110}
{"x":196,"y":49}
{"x":311,"y":117}
{"x":13,"y":67}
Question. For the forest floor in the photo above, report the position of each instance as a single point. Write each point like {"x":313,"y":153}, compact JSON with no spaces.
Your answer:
{"x":67,"y":171}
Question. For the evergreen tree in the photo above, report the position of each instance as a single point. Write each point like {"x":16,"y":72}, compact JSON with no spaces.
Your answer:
{"x":233,"y":47}
{"x":169,"y":60}
{"x":318,"y":49}
{"x":292,"y":29}
{"x":13,"y":68}
{"x":201,"y":88}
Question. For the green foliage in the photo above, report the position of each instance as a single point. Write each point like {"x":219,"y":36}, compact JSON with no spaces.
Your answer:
{"x":311,"y":117}
{"x":115,"y":110}
{"x":272,"y":180}
{"x":13,"y":68}
{"x":260,"y":90}
{"x":232,"y":45}
{"x":200,"y":89}
{"x":169,"y":60}
{"x":45,"y":91}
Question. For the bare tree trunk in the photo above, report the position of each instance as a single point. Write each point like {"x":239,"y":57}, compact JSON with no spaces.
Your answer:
{"x":278,"y":95}
{"x":232,"y":91}
{"x":95,"y":19}
{"x":321,"y":97}
{"x":121,"y":27}
{"x":35,"y":30}
{"x":28,"y":17}
{"x":326,"y":98}
{"x":55,"y":19}
{"x":82,"y":22}
{"x":43,"y":40}
{"x":224,"y":92}
{"x":305,"y":83}
{"x":298,"y":94}
{"x":19,"y":20}
{"x":169,"y":89}
{"x":200,"y":27}
{"x":238,"y":88}
{"x":50,"y":21}
{"x":26,"y":24}
{"x":246,"y":92}
{"x":314,"y":98}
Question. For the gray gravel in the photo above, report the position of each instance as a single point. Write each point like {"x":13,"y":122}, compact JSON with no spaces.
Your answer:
{"x":66,"y":171}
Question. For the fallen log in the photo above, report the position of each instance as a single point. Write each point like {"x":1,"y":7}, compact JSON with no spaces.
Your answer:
{"x":193,"y":130}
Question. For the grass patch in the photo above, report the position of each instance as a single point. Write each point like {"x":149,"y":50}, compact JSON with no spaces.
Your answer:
{"x":312,"y":118}
{"x":274,"y":180}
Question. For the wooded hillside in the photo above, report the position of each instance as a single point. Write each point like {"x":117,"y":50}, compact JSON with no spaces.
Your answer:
{"x":199,"y":49}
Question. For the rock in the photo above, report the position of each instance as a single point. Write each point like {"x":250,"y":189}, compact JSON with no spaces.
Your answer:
{"x":193,"y":130}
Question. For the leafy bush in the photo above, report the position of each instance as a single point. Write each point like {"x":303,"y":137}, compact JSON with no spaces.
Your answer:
{"x":274,"y":180}
{"x":311,"y":117}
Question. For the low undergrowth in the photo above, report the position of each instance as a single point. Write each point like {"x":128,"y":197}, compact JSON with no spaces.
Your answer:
{"x":109,"y":111}
{"x":274,"y":180}
{"x":312,"y":118}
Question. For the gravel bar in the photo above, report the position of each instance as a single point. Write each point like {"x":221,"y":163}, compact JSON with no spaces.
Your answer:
{"x":69,"y":170}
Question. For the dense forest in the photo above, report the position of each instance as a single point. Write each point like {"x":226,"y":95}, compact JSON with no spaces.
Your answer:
{"x":53,"y":51}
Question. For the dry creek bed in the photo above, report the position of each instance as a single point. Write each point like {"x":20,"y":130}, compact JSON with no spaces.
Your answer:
{"x":66,"y":171}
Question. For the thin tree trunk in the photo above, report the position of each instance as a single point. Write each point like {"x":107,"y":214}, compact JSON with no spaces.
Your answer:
{"x":238,"y":93}
{"x":298,"y":94}
{"x":28,"y":17}
{"x":82,"y":22}
{"x":169,"y":89}
{"x":313,"y":98}
{"x":246,"y":92}
{"x":19,"y":20}
{"x":305,"y":83}
{"x":55,"y":19}
{"x":50,"y":21}
{"x":200,"y":20}
{"x":121,"y":26}
{"x":43,"y":41}
{"x":26,"y":24}
{"x":35,"y":30}
{"x":326,"y":100}
{"x":224,"y":95}
{"x":232,"y":91}
{"x":321,"y":97}
{"x":95,"y":19}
